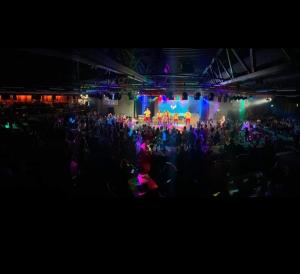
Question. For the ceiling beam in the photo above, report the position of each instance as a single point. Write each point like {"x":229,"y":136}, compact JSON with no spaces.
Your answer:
{"x":220,"y":74}
{"x":229,"y":61}
{"x":226,"y":71}
{"x":240,"y":60}
{"x":212,"y":61}
{"x":257,"y":74}
{"x":286,"y":54}
{"x":95,"y":59}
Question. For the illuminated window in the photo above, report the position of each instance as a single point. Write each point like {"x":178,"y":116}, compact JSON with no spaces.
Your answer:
{"x":61,"y":99}
{"x":47,"y":98}
{"x":24,"y":98}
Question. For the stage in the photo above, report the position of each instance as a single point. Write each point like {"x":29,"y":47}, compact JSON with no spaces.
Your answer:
{"x":179,"y":126}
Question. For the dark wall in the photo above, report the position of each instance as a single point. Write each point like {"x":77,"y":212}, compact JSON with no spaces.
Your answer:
{"x":18,"y":68}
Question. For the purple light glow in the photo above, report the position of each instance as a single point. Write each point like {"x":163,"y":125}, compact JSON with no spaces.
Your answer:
{"x":167,"y":69}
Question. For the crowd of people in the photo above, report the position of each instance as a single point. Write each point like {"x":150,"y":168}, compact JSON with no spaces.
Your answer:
{"x":89,"y":153}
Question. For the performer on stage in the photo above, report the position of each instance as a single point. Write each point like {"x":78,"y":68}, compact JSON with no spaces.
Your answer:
{"x":188,"y":116}
{"x":159,"y":117}
{"x":147,"y":114}
{"x":176,"y":118}
{"x":166,"y":117}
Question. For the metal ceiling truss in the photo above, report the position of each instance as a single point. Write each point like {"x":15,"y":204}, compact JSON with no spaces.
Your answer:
{"x":93,"y":58}
{"x":226,"y":63}
{"x":130,"y":59}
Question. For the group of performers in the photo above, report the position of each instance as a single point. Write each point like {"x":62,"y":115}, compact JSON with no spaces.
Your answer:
{"x":166,"y":117}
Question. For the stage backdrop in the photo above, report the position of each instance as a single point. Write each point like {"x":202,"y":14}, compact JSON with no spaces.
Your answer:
{"x":144,"y":102}
{"x":200,"y":107}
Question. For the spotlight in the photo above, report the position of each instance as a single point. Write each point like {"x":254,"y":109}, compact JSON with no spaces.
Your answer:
{"x":184,"y":96}
{"x":170,"y":96}
{"x":197,"y":96}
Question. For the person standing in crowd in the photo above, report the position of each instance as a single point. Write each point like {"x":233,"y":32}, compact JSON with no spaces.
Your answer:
{"x":143,"y":186}
{"x":246,"y":134}
{"x":109,"y":119}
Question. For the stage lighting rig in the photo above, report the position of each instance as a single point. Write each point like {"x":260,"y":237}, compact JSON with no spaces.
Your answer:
{"x":170,"y":96}
{"x":211,"y":97}
{"x":197,"y":96}
{"x":184,"y":96}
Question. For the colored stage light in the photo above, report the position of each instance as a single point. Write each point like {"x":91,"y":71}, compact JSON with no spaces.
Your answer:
{"x":154,"y":98}
{"x":242,"y":110}
{"x":170,"y":96}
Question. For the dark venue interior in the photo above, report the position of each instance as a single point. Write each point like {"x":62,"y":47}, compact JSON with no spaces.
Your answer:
{"x":150,"y":123}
